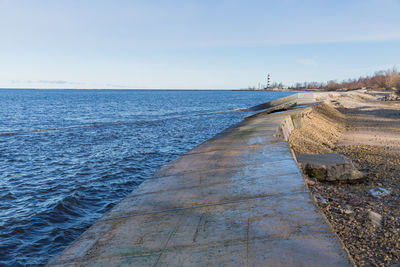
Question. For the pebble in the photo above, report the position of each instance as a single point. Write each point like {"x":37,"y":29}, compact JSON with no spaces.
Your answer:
{"x":348,"y":211}
{"x":376,"y":218}
{"x":310,"y":182}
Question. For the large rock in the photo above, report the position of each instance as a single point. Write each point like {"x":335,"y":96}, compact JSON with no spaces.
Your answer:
{"x":329,"y":167}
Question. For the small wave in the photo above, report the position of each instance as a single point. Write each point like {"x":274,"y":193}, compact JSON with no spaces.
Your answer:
{"x":94,"y":124}
{"x":239,"y":109}
{"x":225,"y":111}
{"x":8,"y":196}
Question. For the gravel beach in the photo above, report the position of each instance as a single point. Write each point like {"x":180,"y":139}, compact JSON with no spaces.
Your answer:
{"x":365,"y":214}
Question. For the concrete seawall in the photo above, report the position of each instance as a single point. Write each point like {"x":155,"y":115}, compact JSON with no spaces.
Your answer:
{"x":237,"y":200}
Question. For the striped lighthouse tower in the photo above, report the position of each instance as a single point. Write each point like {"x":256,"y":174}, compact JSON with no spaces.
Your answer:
{"x":268,"y":80}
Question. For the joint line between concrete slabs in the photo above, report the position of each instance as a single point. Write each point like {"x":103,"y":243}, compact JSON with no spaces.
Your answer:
{"x":206,"y":184}
{"x":238,"y":147}
{"x":216,"y":169}
{"x":206,"y":205}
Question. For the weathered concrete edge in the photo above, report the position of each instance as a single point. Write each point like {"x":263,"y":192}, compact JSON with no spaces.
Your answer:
{"x":294,"y":121}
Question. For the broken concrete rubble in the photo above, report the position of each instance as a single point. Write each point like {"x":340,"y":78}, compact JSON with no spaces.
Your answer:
{"x":329,"y":167}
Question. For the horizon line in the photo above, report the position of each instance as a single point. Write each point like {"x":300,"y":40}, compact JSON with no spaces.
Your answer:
{"x":142,"y":89}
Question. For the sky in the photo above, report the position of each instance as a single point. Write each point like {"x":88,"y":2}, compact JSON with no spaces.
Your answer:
{"x":193,"y":44}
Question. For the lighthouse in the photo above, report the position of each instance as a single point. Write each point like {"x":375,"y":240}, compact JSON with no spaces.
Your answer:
{"x":268,"y":81}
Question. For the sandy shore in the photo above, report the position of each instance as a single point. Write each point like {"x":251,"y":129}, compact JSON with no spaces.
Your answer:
{"x":367,"y":131}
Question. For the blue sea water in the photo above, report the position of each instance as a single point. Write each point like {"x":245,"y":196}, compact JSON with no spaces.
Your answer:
{"x":68,"y":156}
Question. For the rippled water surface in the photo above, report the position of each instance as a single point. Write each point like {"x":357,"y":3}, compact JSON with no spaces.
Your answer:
{"x":68,"y":156}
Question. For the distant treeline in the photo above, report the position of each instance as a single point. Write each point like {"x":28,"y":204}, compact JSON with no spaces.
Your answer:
{"x":389,"y":79}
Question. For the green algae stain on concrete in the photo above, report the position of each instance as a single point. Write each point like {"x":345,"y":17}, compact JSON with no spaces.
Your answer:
{"x":242,"y":134}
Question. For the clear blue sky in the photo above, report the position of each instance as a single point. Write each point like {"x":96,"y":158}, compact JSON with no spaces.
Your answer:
{"x":188,"y":44}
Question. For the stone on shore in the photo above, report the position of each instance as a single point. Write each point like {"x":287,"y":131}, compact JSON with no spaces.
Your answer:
{"x":376,"y":218}
{"x":328,"y":167}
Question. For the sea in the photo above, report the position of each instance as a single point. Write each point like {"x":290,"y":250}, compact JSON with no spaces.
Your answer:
{"x":69,"y":156}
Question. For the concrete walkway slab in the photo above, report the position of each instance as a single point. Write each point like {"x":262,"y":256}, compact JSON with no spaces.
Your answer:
{"x":236,"y":200}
